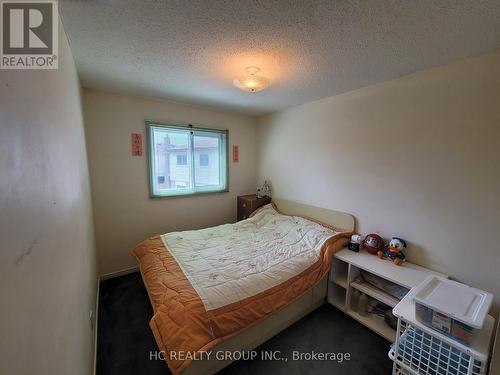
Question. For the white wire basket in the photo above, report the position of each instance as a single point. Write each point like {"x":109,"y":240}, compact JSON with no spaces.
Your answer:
{"x":420,"y":350}
{"x":426,"y":354}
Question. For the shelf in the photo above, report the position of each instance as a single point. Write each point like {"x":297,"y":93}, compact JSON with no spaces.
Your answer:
{"x":341,"y":280}
{"x":375,"y":323}
{"x":336,"y":296}
{"x":338,"y":273}
{"x":337,"y":303}
{"x":407,"y":274}
{"x":375,"y":292}
{"x":346,"y":268}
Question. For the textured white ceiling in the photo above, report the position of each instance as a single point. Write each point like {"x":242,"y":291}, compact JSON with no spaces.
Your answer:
{"x":192,"y":50}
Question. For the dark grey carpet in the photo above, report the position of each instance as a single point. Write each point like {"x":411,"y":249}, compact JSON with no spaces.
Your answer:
{"x":125,"y":340}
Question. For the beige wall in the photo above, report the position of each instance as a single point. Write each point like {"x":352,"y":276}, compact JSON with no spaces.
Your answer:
{"x":123,"y":211}
{"x":48,"y":274}
{"x":417,"y":157}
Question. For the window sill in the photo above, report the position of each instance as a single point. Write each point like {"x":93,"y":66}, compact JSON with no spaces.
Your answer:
{"x":190,"y":194}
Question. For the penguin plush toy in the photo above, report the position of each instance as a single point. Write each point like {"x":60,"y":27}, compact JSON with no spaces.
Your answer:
{"x":394,"y":250}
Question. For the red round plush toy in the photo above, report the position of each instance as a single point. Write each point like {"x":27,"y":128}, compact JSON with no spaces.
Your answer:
{"x":373,"y":243}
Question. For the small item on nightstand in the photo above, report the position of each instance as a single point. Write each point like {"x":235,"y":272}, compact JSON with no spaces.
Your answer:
{"x":355,"y":299}
{"x":259,"y":193}
{"x":363,"y":305}
{"x":373,"y":243}
{"x":266,"y":189}
{"x":355,"y":243}
{"x":394,"y":250}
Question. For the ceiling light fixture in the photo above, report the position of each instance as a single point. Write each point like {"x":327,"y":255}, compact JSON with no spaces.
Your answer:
{"x":252,"y":82}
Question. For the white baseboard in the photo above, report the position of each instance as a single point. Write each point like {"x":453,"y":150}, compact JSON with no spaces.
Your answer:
{"x":125,"y":271}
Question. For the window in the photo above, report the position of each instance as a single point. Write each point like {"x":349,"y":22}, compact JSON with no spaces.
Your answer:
{"x":182,"y":159}
{"x":203,"y":160}
{"x":186,"y":160}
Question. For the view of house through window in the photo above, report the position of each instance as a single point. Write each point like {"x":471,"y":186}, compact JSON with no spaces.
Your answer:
{"x":204,"y":160}
{"x":185,"y":160}
{"x":181,"y":159}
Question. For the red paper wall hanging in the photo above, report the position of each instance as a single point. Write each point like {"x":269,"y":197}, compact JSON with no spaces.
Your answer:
{"x":236,"y":154}
{"x":136,"y":144}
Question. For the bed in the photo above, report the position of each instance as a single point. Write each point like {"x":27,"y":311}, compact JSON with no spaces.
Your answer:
{"x":232,"y":287}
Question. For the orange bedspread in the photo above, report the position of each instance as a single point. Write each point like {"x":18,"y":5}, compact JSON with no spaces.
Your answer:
{"x":181,"y":323}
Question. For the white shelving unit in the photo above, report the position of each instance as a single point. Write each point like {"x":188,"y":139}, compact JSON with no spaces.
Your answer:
{"x":346,"y":267}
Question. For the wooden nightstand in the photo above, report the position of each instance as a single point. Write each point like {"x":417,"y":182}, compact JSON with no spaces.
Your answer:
{"x":248,"y":204}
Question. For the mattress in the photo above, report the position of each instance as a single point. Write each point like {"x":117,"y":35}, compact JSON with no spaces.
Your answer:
{"x":208,"y":285}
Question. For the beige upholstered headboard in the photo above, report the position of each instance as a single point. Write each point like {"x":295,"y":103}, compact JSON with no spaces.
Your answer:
{"x":336,"y":218}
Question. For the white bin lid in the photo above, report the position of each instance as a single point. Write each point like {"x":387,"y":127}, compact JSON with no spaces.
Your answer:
{"x":461,"y":302}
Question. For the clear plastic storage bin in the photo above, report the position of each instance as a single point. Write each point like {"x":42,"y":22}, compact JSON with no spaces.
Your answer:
{"x":453,"y":309}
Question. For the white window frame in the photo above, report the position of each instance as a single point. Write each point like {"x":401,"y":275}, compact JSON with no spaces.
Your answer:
{"x":193,"y":131}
